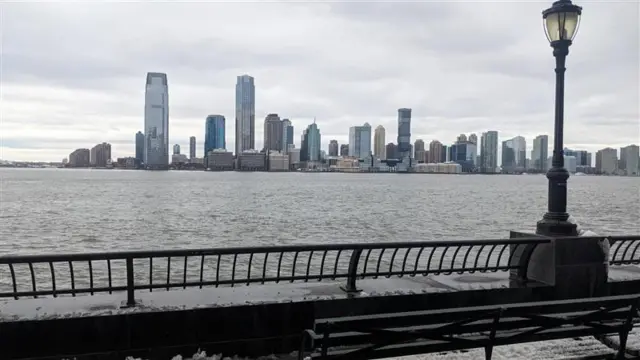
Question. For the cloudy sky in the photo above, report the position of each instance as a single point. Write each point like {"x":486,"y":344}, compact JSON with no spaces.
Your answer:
{"x":73,"y":74}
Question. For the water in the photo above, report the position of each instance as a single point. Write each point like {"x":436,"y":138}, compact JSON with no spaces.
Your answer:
{"x":69,"y":210}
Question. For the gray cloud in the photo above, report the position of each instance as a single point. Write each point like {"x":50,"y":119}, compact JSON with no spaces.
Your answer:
{"x":73,"y":73}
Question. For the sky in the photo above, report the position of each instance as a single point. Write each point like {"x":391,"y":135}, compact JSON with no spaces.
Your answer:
{"x":73,"y":74}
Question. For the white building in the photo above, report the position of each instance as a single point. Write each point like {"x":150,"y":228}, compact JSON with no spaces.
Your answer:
{"x":278,"y":161}
{"x":607,"y":161}
{"x":379,"y":144}
{"x":570,"y":163}
{"x":156,"y":121}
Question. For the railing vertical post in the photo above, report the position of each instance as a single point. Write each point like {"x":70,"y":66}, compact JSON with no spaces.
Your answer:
{"x":353,"y":272}
{"x":131,"y":301}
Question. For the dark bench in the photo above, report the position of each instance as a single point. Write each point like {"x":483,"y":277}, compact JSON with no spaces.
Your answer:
{"x":419,"y":332}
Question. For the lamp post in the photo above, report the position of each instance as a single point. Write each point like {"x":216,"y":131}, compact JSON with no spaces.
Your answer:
{"x":561,"y":22}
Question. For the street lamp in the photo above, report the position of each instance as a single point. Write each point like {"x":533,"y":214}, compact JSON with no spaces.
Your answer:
{"x":561,"y":22}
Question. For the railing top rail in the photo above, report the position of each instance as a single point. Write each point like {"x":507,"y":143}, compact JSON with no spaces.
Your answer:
{"x":140,"y":254}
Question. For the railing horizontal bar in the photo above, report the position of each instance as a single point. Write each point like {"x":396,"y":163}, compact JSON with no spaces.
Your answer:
{"x":121,"y":255}
{"x":436,"y":271}
{"x":239,"y":281}
{"x":61,"y":291}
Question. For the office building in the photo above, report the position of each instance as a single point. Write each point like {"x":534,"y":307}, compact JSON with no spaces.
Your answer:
{"x":360,"y":141}
{"x":464,"y":153}
{"x":404,"y":133}
{"x":192,"y":147}
{"x":607,"y":161}
{"x":245,"y":114}
{"x":333,"y":148}
{"x":214,"y":133}
{"x":489,"y":152}
{"x":273,"y":133}
{"x":461,"y":138}
{"x":629,"y":158}
{"x":156,"y":121}
{"x":419,"y":151}
{"x":392,"y":151}
{"x":139,"y":147}
{"x":514,"y":154}
{"x":379,"y":148}
{"x":539,"y":154}
{"x":473,"y":138}
{"x":219,"y":160}
{"x":310,"y":149}
{"x":344,"y":150}
{"x":176,"y":149}
{"x":583,"y":158}
{"x":287,"y":135}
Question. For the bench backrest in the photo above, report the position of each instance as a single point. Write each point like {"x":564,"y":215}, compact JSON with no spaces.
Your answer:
{"x":482,"y":318}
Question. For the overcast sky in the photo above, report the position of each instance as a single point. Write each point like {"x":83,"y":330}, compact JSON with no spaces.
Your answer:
{"x":73,"y":74}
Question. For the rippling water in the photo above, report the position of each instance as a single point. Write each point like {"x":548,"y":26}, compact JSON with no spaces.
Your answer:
{"x":65,"y":210}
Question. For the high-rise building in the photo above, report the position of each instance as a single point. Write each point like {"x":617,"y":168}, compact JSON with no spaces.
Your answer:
{"x":629,"y":158}
{"x":379,"y":149}
{"x":607,"y":161}
{"x":273,"y":133}
{"x":404,"y":133}
{"x":419,"y":151}
{"x":489,"y":152}
{"x":139,"y":147}
{"x":176,"y":149}
{"x":344,"y":150}
{"x":333,"y":148}
{"x":214,"y":133}
{"x":540,"y":153}
{"x":583,"y":158}
{"x":310,"y":149}
{"x":435,"y":152}
{"x":464,"y":153}
{"x":80,"y":158}
{"x":156,"y":121}
{"x":461,"y":138}
{"x":192,"y":147}
{"x":245,"y":114}
{"x":360,"y":141}
{"x":100,"y":155}
{"x":392,"y":151}
{"x":514,"y":154}
{"x":473,"y":138}
{"x":287,"y":135}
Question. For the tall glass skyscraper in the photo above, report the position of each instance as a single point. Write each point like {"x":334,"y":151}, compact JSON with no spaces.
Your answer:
{"x":404,"y":132}
{"x":489,"y":152}
{"x":245,"y":114}
{"x":139,"y":147}
{"x":287,"y":135}
{"x":360,"y":141}
{"x":156,"y":121}
{"x":214,"y":134}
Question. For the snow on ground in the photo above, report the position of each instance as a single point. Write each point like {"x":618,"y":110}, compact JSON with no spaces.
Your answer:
{"x":546,"y":350}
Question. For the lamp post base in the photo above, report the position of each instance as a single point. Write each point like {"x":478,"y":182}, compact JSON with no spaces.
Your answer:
{"x":556,"y":227}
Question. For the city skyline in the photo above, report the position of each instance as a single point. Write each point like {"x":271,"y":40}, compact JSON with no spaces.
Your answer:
{"x":504,"y":81}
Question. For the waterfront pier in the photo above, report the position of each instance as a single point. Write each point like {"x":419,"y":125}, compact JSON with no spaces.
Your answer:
{"x":254,"y":301}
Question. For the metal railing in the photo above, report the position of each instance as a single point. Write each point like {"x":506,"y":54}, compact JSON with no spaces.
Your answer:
{"x":624,"y":250}
{"x":90,"y":273}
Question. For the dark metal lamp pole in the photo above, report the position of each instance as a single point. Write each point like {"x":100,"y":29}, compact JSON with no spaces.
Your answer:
{"x":561,"y":23}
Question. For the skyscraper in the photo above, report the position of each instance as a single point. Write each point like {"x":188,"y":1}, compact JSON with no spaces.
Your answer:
{"x":287,"y":135}
{"x":419,"y":151}
{"x":539,"y":154}
{"x":473,"y":138}
{"x":629,"y":157}
{"x":360,"y":141}
{"x":176,"y":149}
{"x":391,"y":149}
{"x":436,"y":152}
{"x":139,"y":147}
{"x":192,"y":147}
{"x":273,"y":133}
{"x":310,"y":148}
{"x":245,"y":114}
{"x":344,"y":150}
{"x":214,"y":133}
{"x":379,"y":148}
{"x":461,"y":137}
{"x":333,"y":148}
{"x":607,"y":161}
{"x":404,"y":133}
{"x":489,"y":152}
{"x":156,"y":121}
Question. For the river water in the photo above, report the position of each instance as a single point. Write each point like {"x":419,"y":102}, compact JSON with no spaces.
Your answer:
{"x":77,"y":210}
